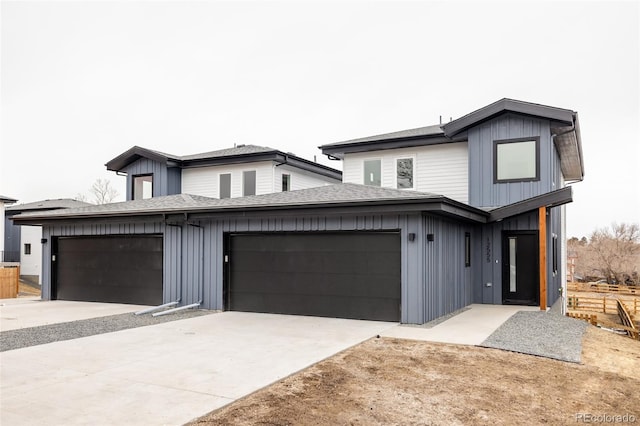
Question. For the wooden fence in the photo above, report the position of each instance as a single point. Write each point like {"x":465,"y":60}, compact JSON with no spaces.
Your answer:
{"x":9,"y":281}
{"x":627,"y":320}
{"x":630,"y":290}
{"x":606,"y":305}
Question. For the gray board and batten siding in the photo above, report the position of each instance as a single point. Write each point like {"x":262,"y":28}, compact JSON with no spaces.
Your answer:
{"x":166,"y":180}
{"x":483,"y":192}
{"x":434,"y":278}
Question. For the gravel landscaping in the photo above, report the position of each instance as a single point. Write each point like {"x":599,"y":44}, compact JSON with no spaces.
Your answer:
{"x":540,"y":333}
{"x":16,"y":339}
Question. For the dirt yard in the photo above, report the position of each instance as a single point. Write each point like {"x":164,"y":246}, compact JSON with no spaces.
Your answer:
{"x":27,"y":290}
{"x":391,"y":381}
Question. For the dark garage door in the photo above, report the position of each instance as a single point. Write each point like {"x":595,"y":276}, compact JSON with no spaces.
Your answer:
{"x":116,"y":269}
{"x":345,"y":275}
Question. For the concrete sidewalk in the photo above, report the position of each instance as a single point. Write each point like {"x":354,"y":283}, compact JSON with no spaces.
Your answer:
{"x":470,"y":327}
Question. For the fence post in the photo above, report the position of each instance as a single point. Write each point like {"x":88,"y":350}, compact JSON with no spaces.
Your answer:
{"x":604,"y":305}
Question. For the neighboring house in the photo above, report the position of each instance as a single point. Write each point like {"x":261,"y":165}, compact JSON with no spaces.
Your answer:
{"x":3,"y":201}
{"x":387,"y":244}
{"x":227,"y":173}
{"x":22,"y":243}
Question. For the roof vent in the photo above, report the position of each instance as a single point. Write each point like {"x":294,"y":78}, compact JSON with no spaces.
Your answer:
{"x":241,"y":146}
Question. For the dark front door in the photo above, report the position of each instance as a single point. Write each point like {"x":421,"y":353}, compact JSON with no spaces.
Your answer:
{"x":116,"y":269}
{"x":520,"y":272}
{"x":342,"y":275}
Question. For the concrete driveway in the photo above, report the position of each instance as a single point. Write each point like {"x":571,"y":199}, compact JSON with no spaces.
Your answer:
{"x":168,"y":373}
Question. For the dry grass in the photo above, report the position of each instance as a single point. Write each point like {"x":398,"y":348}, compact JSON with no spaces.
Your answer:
{"x":392,"y":381}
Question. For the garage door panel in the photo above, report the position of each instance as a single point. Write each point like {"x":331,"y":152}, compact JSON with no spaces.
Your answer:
{"x":117,"y":269}
{"x":349,"y":275}
{"x":320,"y":305}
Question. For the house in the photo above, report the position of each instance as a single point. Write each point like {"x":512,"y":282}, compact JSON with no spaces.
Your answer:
{"x":3,"y":201}
{"x":426,"y":222}
{"x":227,"y":173}
{"x":22,"y":243}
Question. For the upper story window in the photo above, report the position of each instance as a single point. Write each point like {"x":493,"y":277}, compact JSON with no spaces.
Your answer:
{"x":225,"y":185}
{"x":286,"y":183}
{"x":372,"y":172}
{"x":249,"y":183}
{"x":404,"y":173}
{"x":516,"y":160}
{"x":142,"y":187}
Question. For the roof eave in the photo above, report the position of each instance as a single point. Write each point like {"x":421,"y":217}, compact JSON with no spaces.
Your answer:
{"x":438,"y":204}
{"x":488,"y":112}
{"x":550,"y":199}
{"x":135,"y":153}
{"x":339,"y":150}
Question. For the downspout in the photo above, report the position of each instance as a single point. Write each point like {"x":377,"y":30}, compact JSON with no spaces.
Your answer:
{"x":563,"y":280}
{"x":175,"y":302}
{"x":201,"y":284}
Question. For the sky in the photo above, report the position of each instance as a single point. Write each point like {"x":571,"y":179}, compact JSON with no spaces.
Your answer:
{"x":82,"y":82}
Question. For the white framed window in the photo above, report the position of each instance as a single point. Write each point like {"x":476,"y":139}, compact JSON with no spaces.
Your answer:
{"x":248,"y":183}
{"x":373,"y":172}
{"x":225,"y":185}
{"x":405,"y":176}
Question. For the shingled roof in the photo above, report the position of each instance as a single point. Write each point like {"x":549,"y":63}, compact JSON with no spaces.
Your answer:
{"x":60,"y":203}
{"x":342,"y":195}
{"x":236,"y":155}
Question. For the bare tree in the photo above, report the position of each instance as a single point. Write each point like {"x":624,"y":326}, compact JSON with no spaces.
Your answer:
{"x":615,"y":253}
{"x":103,"y":192}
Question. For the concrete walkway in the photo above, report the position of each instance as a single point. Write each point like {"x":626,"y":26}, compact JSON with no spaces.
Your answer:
{"x":470,"y":327}
{"x":174,"y":372}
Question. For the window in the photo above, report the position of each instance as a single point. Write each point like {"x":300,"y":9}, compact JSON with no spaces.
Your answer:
{"x":467,"y":249}
{"x":554,"y":255}
{"x":372,"y":172}
{"x":27,"y":248}
{"x":404,"y":173}
{"x":249,"y":183}
{"x":142,"y":187}
{"x":516,"y":160}
{"x":286,"y":183}
{"x":225,"y":185}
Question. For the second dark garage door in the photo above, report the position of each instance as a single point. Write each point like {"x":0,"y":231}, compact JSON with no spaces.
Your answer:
{"x":116,"y":269}
{"x":342,"y":275}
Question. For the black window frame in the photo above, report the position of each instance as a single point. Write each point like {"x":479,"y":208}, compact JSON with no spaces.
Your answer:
{"x":133,"y":185}
{"x":220,"y":195}
{"x":244,"y":182}
{"x":496,"y":142}
{"x":27,"y":248}
{"x":554,"y":253}
{"x":286,"y":182}
{"x":467,"y":249}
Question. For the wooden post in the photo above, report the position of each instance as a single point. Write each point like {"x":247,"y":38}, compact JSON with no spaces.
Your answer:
{"x":542,"y":235}
{"x":17,"y":280}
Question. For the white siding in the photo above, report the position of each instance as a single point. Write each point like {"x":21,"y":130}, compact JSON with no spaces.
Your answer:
{"x":439,"y":169}
{"x":205,"y":180}
{"x":1,"y":230}
{"x":30,"y":264}
{"x":300,"y":179}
